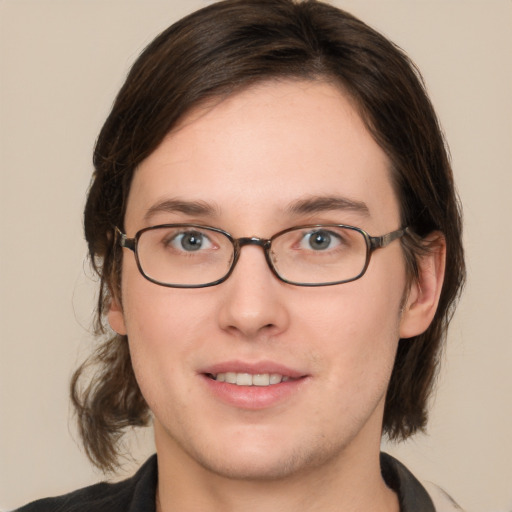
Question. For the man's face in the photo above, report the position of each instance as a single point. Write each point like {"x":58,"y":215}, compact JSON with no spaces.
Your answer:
{"x":250,"y":158}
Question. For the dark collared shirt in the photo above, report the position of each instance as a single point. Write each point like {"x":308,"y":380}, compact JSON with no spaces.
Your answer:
{"x":137,"y":494}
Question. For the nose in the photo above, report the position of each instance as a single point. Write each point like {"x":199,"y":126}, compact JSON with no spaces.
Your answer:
{"x":253,"y":304}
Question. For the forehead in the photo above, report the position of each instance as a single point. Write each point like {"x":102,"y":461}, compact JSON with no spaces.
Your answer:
{"x":259,"y":151}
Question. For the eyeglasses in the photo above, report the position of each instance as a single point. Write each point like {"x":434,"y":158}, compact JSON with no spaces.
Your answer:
{"x":195,"y":256}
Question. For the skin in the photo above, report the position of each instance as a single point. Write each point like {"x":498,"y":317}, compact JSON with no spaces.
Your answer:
{"x":250,"y":157}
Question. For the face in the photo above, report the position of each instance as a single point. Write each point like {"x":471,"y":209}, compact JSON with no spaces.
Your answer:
{"x":248,"y":161}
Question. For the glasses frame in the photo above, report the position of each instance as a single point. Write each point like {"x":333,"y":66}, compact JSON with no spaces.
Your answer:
{"x":372,"y":243}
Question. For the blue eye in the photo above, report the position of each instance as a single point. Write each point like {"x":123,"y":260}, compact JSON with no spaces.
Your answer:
{"x":320,"y":240}
{"x":190,"y":241}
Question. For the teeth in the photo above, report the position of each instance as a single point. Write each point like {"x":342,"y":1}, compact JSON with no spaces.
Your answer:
{"x":261,"y":379}
{"x":275,"y":378}
{"x":243,"y":379}
{"x":230,"y":377}
{"x":248,"y":379}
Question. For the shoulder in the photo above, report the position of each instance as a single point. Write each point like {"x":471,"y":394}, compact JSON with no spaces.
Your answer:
{"x":95,"y":497}
{"x":413,"y":496}
{"x":442,"y":500}
{"x":134,"y":494}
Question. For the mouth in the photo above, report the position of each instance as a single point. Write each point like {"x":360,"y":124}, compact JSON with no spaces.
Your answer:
{"x":250,"y":379}
{"x":254,"y":385}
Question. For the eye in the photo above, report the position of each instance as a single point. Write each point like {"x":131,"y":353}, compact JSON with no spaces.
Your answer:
{"x":190,"y":241}
{"x":320,"y":240}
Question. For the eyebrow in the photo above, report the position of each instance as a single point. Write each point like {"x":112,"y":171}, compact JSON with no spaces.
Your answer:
{"x":200,"y":208}
{"x":318,"y":204}
{"x":315,"y":204}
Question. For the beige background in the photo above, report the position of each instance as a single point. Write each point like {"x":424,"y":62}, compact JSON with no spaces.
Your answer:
{"x":61,"y":63}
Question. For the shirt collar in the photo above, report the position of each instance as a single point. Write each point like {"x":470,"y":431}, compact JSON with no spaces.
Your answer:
{"x":412,"y":495}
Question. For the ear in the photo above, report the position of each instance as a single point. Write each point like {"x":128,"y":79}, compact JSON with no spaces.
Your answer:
{"x":116,"y":317}
{"x":424,"y":293}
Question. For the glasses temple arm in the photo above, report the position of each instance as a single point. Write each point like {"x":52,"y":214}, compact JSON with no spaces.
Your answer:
{"x":378,"y":242}
{"x":124,"y":241}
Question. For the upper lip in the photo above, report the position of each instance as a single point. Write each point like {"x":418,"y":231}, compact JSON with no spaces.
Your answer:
{"x":254,"y":368}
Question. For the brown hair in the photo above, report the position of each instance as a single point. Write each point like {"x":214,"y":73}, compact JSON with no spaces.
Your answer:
{"x":218,"y":50}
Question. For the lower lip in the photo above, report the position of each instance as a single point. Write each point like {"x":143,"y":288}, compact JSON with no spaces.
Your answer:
{"x":254,"y":397}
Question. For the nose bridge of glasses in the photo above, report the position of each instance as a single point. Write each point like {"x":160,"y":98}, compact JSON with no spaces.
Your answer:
{"x":264,"y":243}
{"x":252,"y":240}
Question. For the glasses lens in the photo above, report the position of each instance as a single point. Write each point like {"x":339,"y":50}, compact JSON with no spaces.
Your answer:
{"x":320,"y":254}
{"x":184,"y":255}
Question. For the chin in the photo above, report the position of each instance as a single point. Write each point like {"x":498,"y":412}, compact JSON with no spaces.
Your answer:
{"x":251,"y":469}
{"x":266,"y":464}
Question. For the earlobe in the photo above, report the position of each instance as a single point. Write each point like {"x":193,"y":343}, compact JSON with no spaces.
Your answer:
{"x":116,"y":317}
{"x":421,"y":304}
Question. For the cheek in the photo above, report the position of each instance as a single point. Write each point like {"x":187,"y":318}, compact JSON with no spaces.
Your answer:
{"x":163,"y":326}
{"x":353,"y":311}
{"x":355,"y":327}
{"x":161,"y":350}
{"x":156,"y":315}
{"x":164,"y":323}
{"x":351,"y":335}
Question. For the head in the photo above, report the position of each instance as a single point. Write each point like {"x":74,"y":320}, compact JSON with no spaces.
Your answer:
{"x":204,"y":62}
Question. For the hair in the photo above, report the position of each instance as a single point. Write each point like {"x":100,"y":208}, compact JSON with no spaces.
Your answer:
{"x":212,"y":53}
